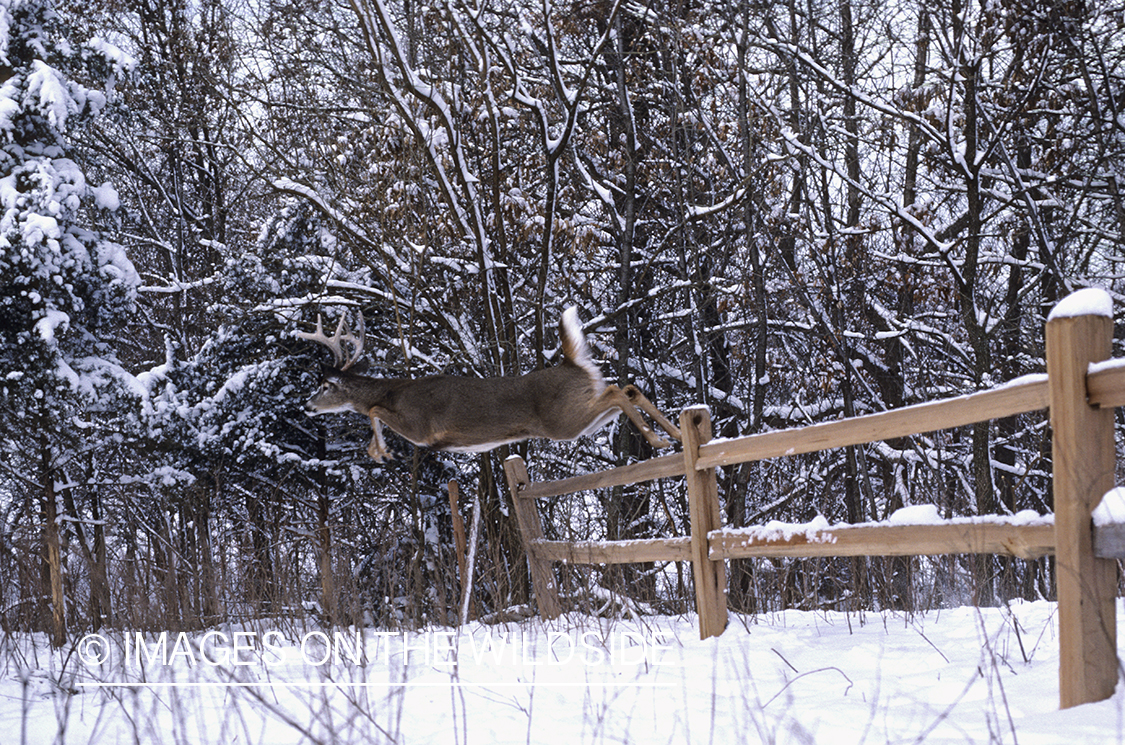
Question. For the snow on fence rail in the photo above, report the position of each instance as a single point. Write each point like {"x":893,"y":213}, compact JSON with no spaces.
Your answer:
{"x":1080,"y":389}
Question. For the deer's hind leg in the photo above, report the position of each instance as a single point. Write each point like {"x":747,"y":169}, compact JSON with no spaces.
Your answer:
{"x":639,"y":399}
{"x":628,"y":400}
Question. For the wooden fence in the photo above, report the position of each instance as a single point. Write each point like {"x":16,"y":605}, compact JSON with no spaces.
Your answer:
{"x":1081,"y":400}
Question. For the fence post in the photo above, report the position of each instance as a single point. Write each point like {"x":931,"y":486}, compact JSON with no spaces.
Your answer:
{"x":1080,"y":331}
{"x":531,"y":529}
{"x":460,"y":544}
{"x":703,"y":506}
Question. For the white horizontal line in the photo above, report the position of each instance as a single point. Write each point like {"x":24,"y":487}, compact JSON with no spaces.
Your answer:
{"x":346,"y":684}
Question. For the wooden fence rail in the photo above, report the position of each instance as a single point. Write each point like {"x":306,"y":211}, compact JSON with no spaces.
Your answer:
{"x":1023,"y":541}
{"x":1080,"y":389}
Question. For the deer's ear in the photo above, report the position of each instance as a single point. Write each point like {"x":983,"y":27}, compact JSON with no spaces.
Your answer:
{"x":360,"y":367}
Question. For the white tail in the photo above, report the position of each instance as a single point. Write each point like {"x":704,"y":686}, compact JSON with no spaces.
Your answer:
{"x":477,"y":414}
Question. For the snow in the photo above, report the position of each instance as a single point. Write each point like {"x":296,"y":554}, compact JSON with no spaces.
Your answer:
{"x":1111,"y":510}
{"x":54,"y":100}
{"x":121,"y":61}
{"x":48,"y":326}
{"x":105,"y":197}
{"x":38,"y":228}
{"x":919,"y":514}
{"x":1091,"y":301}
{"x":5,"y":33}
{"x":927,"y":514}
{"x":964,"y":675}
{"x":776,"y":530}
{"x":818,"y":529}
{"x":9,"y":105}
{"x":1028,"y":379}
{"x":1110,"y":364}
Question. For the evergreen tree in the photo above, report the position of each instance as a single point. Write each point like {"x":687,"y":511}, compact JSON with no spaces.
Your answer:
{"x":63,"y":285}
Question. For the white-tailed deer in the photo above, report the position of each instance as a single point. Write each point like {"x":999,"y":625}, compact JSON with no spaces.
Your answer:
{"x":445,"y":412}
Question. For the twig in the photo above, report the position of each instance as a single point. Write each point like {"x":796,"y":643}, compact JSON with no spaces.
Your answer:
{"x":810,"y":672}
{"x":787,"y":662}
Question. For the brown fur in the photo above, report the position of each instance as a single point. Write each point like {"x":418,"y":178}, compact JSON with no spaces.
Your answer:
{"x":477,"y":414}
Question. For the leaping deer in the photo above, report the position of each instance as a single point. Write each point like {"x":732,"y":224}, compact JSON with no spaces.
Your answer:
{"x":445,"y":412}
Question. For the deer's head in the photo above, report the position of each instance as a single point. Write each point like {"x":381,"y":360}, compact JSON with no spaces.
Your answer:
{"x":333,"y":393}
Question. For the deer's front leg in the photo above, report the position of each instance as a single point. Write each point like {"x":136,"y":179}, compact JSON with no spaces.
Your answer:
{"x":378,"y":447}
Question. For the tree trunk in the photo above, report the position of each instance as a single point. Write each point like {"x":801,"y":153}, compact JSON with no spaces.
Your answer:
{"x":52,"y":550}
{"x":324,"y":546}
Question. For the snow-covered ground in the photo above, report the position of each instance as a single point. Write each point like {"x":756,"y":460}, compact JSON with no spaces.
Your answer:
{"x":965,"y":675}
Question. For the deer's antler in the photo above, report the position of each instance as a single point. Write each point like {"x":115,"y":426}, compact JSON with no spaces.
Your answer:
{"x":336,"y":342}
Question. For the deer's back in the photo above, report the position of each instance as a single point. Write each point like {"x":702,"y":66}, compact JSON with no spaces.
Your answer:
{"x":479,"y":413}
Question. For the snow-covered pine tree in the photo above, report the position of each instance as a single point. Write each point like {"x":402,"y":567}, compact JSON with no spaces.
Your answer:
{"x":232,"y":442}
{"x":63,"y":286}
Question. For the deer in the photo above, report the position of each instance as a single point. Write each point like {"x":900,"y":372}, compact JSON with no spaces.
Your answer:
{"x":472,"y":415}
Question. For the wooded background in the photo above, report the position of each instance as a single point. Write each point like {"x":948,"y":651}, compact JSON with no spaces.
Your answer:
{"x":791,"y":212}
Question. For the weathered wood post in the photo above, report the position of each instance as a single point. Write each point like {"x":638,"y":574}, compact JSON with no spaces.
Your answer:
{"x":531,"y":529}
{"x":1080,"y":331}
{"x":461,"y":546}
{"x":703,"y":507}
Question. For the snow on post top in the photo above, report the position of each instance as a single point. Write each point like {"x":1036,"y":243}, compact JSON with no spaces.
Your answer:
{"x":1111,"y":510}
{"x":1091,"y":301}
